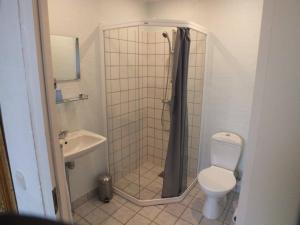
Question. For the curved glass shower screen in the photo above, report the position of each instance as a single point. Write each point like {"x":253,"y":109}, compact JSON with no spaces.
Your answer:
{"x":138,"y":68}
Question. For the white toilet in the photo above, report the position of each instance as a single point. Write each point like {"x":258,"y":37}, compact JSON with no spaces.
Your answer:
{"x":217,"y":180}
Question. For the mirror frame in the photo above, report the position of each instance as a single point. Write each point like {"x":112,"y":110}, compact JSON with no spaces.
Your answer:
{"x":77,"y":58}
{"x":77,"y":55}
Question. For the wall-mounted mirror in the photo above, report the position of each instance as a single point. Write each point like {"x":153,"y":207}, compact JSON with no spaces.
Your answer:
{"x":65,"y":58}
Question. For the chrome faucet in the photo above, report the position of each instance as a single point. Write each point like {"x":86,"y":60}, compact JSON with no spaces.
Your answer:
{"x":62,"y":134}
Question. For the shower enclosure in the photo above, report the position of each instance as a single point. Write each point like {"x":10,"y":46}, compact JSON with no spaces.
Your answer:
{"x":138,"y":75}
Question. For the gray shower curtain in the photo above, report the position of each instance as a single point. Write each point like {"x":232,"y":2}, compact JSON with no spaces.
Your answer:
{"x":175,"y":172}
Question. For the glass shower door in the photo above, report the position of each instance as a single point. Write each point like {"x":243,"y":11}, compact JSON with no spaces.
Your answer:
{"x":138,"y":88}
{"x":194,"y":98}
{"x":123,"y":108}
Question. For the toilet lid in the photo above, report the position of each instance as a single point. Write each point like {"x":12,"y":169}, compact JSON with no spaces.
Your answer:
{"x":217,"y":179}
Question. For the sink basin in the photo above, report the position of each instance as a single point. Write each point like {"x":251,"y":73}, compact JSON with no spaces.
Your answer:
{"x":79,"y":143}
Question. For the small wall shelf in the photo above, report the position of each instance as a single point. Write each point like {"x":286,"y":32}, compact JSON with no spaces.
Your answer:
{"x":80,"y":97}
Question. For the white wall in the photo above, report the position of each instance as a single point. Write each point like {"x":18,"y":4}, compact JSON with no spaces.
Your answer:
{"x":270,"y":192}
{"x":234,"y":27}
{"x":80,"y":18}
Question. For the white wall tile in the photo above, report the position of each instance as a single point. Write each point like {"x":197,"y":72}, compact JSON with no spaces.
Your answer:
{"x":123,"y":34}
{"x":114,"y":57}
{"x":114,"y":45}
{"x":123,"y":59}
{"x":159,"y":48}
{"x":115,"y":85}
{"x":114,"y":70}
{"x":160,"y":60}
{"x":124,"y":84}
{"x":123,"y":46}
{"x":131,"y":60}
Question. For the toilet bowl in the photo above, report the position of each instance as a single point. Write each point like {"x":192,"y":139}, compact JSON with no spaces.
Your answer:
{"x":217,"y":180}
{"x":216,"y":183}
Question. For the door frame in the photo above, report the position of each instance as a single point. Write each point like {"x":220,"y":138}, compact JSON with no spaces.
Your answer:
{"x":6,"y":188}
{"x":43,"y":30}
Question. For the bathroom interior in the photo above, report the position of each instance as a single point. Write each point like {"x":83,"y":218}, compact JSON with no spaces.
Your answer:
{"x":157,"y":96}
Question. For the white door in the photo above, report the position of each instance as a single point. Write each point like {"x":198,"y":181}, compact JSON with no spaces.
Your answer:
{"x":24,"y":109}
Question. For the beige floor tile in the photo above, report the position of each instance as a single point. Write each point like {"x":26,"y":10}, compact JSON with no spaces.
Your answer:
{"x":76,"y":217}
{"x":146,"y":194}
{"x":205,"y":221}
{"x":186,"y":201}
{"x":138,"y":220}
{"x":157,"y":196}
{"x":82,"y":222}
{"x":150,"y":212}
{"x":122,"y":183}
{"x":154,"y":187}
{"x":148,"y":165}
{"x":96,"y":216}
{"x":197,"y":204}
{"x":119,"y":199}
{"x":132,"y":189}
{"x":136,"y":171}
{"x":161,"y":206}
{"x":111,"y":207}
{"x":144,"y":181}
{"x":157,"y":169}
{"x":132,"y":206}
{"x":85,"y":209}
{"x":123,"y":214}
{"x":79,"y":201}
{"x":165,"y":218}
{"x":175,"y":209}
{"x":194,"y":191}
{"x":182,"y":222}
{"x":150,"y":175}
{"x":159,"y":180}
{"x":132,"y":177}
{"x":143,"y":170}
{"x":192,"y":216}
{"x":95,"y":201}
{"x":200,"y":195}
{"x":111,"y":221}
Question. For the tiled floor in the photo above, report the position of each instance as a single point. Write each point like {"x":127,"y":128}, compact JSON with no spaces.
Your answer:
{"x":146,"y":186}
{"x":120,"y":211}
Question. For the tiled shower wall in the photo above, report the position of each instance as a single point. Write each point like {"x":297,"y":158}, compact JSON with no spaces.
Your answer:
{"x":154,"y":51}
{"x":137,"y":61}
{"x":123,"y":100}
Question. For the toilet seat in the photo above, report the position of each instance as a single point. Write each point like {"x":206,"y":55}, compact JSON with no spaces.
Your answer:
{"x":217,"y":181}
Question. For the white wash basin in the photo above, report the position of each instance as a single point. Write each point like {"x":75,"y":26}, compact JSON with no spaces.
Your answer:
{"x":79,"y":143}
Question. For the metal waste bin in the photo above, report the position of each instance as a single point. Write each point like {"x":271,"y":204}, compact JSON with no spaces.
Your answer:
{"x":105,"y":188}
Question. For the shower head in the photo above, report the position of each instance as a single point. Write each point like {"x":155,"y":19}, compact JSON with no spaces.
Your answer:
{"x":166,"y":35}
